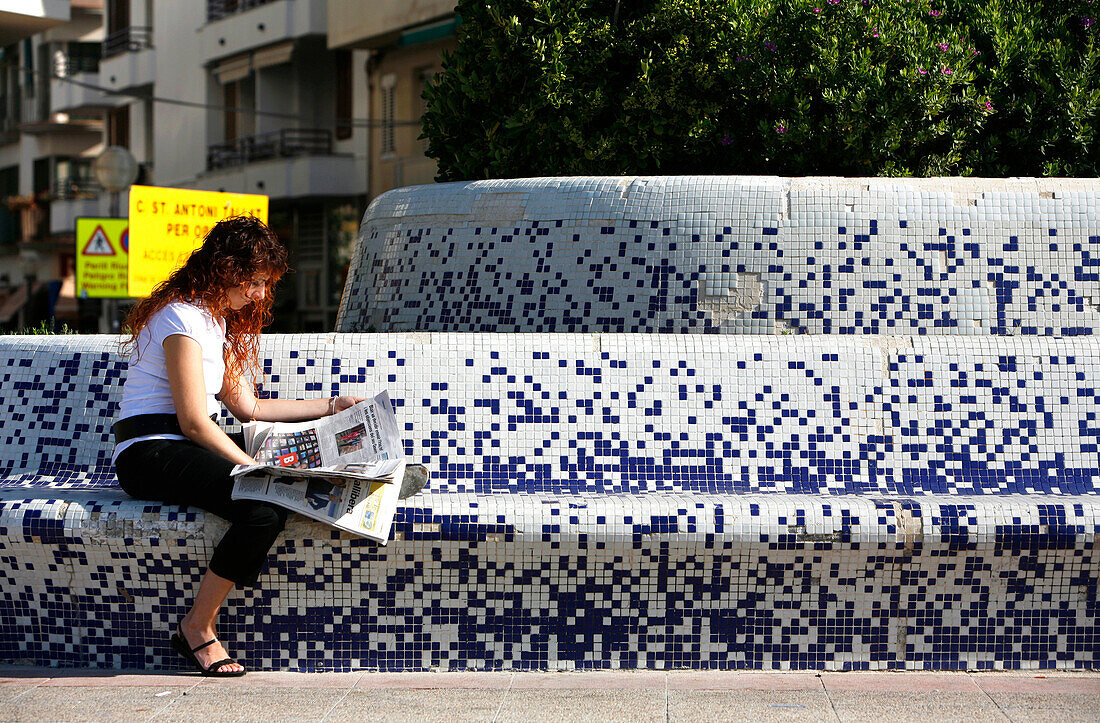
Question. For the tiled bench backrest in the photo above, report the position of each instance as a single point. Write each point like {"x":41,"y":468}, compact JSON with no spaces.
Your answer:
{"x":731,"y":255}
{"x":572,"y":413}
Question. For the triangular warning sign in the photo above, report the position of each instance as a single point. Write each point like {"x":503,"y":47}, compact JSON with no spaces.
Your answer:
{"x":98,"y":245}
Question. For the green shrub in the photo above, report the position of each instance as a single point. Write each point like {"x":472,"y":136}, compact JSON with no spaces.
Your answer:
{"x":786,"y":87}
{"x":45,"y":328}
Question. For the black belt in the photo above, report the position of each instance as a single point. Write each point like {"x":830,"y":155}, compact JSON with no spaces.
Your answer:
{"x":141,"y":425}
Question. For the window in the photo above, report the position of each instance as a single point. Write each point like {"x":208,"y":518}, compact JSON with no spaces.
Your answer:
{"x":423,"y":76}
{"x":388,"y":101}
{"x":118,"y":16}
{"x":343,"y":94}
{"x":239,"y":94}
{"x":42,"y":175}
{"x":231,"y":93}
{"x":10,"y":104}
{"x":27,"y":56}
{"x":9,"y":186}
{"x":118,"y":127}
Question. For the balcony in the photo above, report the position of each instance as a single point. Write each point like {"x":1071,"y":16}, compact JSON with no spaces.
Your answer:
{"x":285,"y":143}
{"x":74,"y":197}
{"x":84,"y":59}
{"x":73,"y":187}
{"x":36,"y":115}
{"x":79,"y":196}
{"x":128,"y":59}
{"x":218,"y":9}
{"x":75,"y":79}
{"x":128,"y":40}
{"x":80,"y":102}
{"x":24,"y":19}
{"x":230,"y":31}
{"x":294,"y":163}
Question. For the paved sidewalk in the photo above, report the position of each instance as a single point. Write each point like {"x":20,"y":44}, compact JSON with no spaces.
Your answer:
{"x":35,"y":694}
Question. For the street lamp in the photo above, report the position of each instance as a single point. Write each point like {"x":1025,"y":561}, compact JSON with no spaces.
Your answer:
{"x":115,"y":169}
{"x":28,"y":261}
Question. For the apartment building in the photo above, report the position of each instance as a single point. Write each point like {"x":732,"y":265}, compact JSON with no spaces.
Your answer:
{"x":245,"y":96}
{"x":315,"y":104}
{"x":51,"y":129}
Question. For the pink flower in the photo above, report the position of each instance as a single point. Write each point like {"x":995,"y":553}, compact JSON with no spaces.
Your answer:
{"x":780,"y":128}
{"x":834,"y":2}
{"x":922,"y":71}
{"x":817,"y":10}
{"x":942,"y":46}
{"x":726,"y":140}
{"x":935,"y":13}
{"x":945,"y":70}
{"x":988,"y":106}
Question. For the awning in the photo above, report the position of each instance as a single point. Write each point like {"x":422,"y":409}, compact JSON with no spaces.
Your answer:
{"x":15,"y":301}
{"x":233,"y":69}
{"x":274,"y":55}
{"x":242,"y":66}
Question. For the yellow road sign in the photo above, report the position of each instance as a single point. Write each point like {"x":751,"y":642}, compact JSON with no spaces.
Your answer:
{"x":167,"y":224}
{"x":101,"y":253}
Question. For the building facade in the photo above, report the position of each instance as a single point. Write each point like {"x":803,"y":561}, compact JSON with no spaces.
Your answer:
{"x":405,"y":42}
{"x":314,"y":104}
{"x":51,"y":129}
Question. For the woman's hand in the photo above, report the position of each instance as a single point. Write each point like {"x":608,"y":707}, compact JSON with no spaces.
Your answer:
{"x":339,"y":404}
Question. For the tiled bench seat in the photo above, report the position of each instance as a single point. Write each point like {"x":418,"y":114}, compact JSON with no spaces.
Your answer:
{"x":601,"y":501}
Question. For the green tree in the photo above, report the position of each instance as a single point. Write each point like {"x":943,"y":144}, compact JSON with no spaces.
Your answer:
{"x":786,"y":87}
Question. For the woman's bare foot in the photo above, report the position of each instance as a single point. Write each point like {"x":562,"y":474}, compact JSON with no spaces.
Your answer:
{"x":197,"y":634}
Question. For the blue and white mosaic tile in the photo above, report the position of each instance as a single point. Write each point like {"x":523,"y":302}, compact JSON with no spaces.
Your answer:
{"x":601,"y":501}
{"x":731,"y":255}
{"x":634,"y":414}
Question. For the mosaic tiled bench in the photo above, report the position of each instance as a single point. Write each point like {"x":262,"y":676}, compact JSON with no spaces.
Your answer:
{"x":730,"y":255}
{"x":602,"y":501}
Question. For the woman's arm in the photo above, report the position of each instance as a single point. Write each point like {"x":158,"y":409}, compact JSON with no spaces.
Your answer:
{"x":183,"y":357}
{"x":241,"y":401}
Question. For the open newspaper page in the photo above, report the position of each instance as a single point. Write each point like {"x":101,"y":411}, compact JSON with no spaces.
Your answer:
{"x":360,"y":442}
{"x":360,"y":506}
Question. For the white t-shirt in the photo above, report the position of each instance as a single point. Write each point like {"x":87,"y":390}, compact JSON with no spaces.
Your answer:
{"x":146,"y":390}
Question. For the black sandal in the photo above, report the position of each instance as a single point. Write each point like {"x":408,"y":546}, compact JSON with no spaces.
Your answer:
{"x":214,"y":670}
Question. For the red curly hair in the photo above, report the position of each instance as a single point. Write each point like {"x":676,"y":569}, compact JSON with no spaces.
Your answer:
{"x":234,"y":251}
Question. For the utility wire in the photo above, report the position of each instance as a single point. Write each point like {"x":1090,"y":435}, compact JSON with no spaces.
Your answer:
{"x":352,"y":122}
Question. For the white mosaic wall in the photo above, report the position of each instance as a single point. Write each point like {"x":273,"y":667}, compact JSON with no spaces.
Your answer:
{"x":731,"y":255}
{"x":601,"y":501}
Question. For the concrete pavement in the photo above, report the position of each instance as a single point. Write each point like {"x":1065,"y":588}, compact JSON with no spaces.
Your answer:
{"x":35,"y":694}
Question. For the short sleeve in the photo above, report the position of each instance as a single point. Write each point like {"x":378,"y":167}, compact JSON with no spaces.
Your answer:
{"x":177,"y":319}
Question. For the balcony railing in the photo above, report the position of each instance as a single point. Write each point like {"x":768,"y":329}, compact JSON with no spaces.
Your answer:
{"x":66,"y":189}
{"x":277,"y":144}
{"x":84,"y":59}
{"x":128,"y":40}
{"x":218,"y":9}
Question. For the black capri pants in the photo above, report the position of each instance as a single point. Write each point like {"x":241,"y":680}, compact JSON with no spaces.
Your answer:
{"x":180,"y":472}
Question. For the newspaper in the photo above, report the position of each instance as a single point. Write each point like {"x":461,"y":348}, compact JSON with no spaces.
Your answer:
{"x":361,"y":441}
{"x":360,"y":506}
{"x":340,"y":469}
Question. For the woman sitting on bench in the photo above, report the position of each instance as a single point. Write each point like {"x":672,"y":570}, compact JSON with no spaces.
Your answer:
{"x":194,"y":337}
